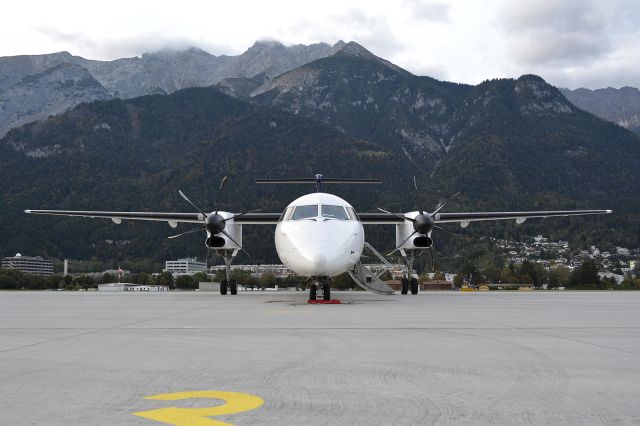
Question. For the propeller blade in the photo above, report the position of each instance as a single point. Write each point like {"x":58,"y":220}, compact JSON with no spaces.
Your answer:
{"x":189,"y":201}
{"x":401,"y":244}
{"x":433,"y":262}
{"x":222,"y":182}
{"x":441,"y":206}
{"x":200,"y":228}
{"x":446,"y":230}
{"x":415,"y":185}
{"x":396,"y":215}
{"x":234,"y":241}
{"x":241,"y":214}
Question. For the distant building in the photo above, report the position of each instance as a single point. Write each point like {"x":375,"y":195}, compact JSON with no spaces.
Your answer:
{"x":30,"y":265}
{"x":186,"y":266}
{"x":425,"y":286}
{"x":116,"y":287}
{"x":280,"y":271}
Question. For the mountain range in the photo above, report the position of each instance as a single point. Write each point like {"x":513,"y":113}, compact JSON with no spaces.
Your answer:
{"x":33,"y":87}
{"x":621,"y":106}
{"x":505,"y":143}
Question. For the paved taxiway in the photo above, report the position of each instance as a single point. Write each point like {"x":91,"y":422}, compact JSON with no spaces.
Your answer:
{"x":505,"y":358}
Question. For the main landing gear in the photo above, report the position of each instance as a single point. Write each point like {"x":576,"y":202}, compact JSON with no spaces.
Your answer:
{"x":408,"y":283}
{"x":227,"y":284}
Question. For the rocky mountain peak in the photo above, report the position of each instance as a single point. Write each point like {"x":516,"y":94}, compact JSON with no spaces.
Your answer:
{"x":337,"y":46}
{"x":538,"y":96}
{"x":261,"y":45}
{"x":354,"y":49}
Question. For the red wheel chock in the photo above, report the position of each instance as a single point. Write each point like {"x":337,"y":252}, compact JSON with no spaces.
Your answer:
{"x":324,"y":302}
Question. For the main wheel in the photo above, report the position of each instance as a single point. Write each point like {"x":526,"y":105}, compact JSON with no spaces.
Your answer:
{"x":233,"y":287}
{"x":223,"y":286}
{"x":326,"y":290}
{"x":313,"y":290}
{"x":405,"y":286}
{"x":414,"y":286}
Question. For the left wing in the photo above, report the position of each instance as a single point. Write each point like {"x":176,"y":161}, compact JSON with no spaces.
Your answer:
{"x":465,"y":218}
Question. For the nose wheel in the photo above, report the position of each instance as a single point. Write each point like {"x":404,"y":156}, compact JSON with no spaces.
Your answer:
{"x":326,"y":290}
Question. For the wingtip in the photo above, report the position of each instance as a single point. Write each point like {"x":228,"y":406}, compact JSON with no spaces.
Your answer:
{"x":27,"y":211}
{"x":609,"y":211}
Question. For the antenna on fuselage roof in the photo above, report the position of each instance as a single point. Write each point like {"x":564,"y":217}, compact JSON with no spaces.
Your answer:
{"x":319,"y":180}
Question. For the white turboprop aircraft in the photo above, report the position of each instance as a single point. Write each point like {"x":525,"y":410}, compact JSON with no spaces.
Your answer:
{"x":320,"y":235}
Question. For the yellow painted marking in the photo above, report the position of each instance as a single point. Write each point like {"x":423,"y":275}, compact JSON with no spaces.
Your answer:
{"x":234,"y":402}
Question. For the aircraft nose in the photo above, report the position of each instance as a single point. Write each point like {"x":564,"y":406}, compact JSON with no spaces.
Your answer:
{"x":316,"y":257}
{"x":318,"y":261}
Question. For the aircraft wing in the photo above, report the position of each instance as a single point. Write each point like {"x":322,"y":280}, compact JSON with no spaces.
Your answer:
{"x":172,"y":218}
{"x":119,"y":216}
{"x":465,"y":218}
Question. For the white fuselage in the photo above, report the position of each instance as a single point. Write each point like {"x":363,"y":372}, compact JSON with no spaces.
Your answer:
{"x":325,"y":241}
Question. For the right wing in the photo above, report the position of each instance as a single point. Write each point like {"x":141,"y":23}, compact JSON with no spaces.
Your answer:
{"x":171,"y":218}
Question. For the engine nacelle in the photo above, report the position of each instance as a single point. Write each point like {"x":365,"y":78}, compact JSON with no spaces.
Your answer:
{"x":416,"y":241}
{"x":220,"y":241}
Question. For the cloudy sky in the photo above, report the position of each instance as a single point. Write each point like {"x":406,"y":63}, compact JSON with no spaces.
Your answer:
{"x":570,"y":43}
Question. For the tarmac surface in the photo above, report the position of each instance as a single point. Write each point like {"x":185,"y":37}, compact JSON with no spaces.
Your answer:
{"x":505,"y":358}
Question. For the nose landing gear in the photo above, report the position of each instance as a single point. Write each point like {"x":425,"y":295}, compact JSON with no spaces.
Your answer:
{"x":326,"y":289}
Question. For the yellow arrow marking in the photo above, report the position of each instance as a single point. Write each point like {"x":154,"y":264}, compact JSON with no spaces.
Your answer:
{"x":234,"y":402}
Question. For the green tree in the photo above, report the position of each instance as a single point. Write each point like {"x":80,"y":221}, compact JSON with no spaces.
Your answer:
{"x":108,"y":278}
{"x":343,"y":282}
{"x":164,"y":278}
{"x":186,"y":282}
{"x":458,"y":280}
{"x":200,"y":277}
{"x":84,"y":282}
{"x":492,"y":273}
{"x":142,"y":278}
{"x":471,"y":273}
{"x":267,"y":279}
{"x":586,"y":276}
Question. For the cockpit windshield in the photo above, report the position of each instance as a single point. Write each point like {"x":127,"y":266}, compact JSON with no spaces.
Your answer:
{"x":334,"y":212}
{"x":305,"y":212}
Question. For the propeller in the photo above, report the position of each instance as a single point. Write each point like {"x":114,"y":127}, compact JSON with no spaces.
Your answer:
{"x":424,"y":222}
{"x":214,"y":223}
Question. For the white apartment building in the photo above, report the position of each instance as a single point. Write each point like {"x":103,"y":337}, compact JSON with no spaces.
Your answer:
{"x":31,"y":265}
{"x":186,"y":266}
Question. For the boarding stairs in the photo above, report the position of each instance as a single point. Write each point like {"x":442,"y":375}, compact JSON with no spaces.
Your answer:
{"x":368,"y":280}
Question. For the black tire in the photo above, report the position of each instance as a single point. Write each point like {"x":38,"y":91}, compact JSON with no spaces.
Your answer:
{"x":414,"y":286}
{"x":233,"y":287}
{"x":326,"y":290}
{"x":223,"y":287}
{"x":405,"y":286}
{"x":313,"y":292}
